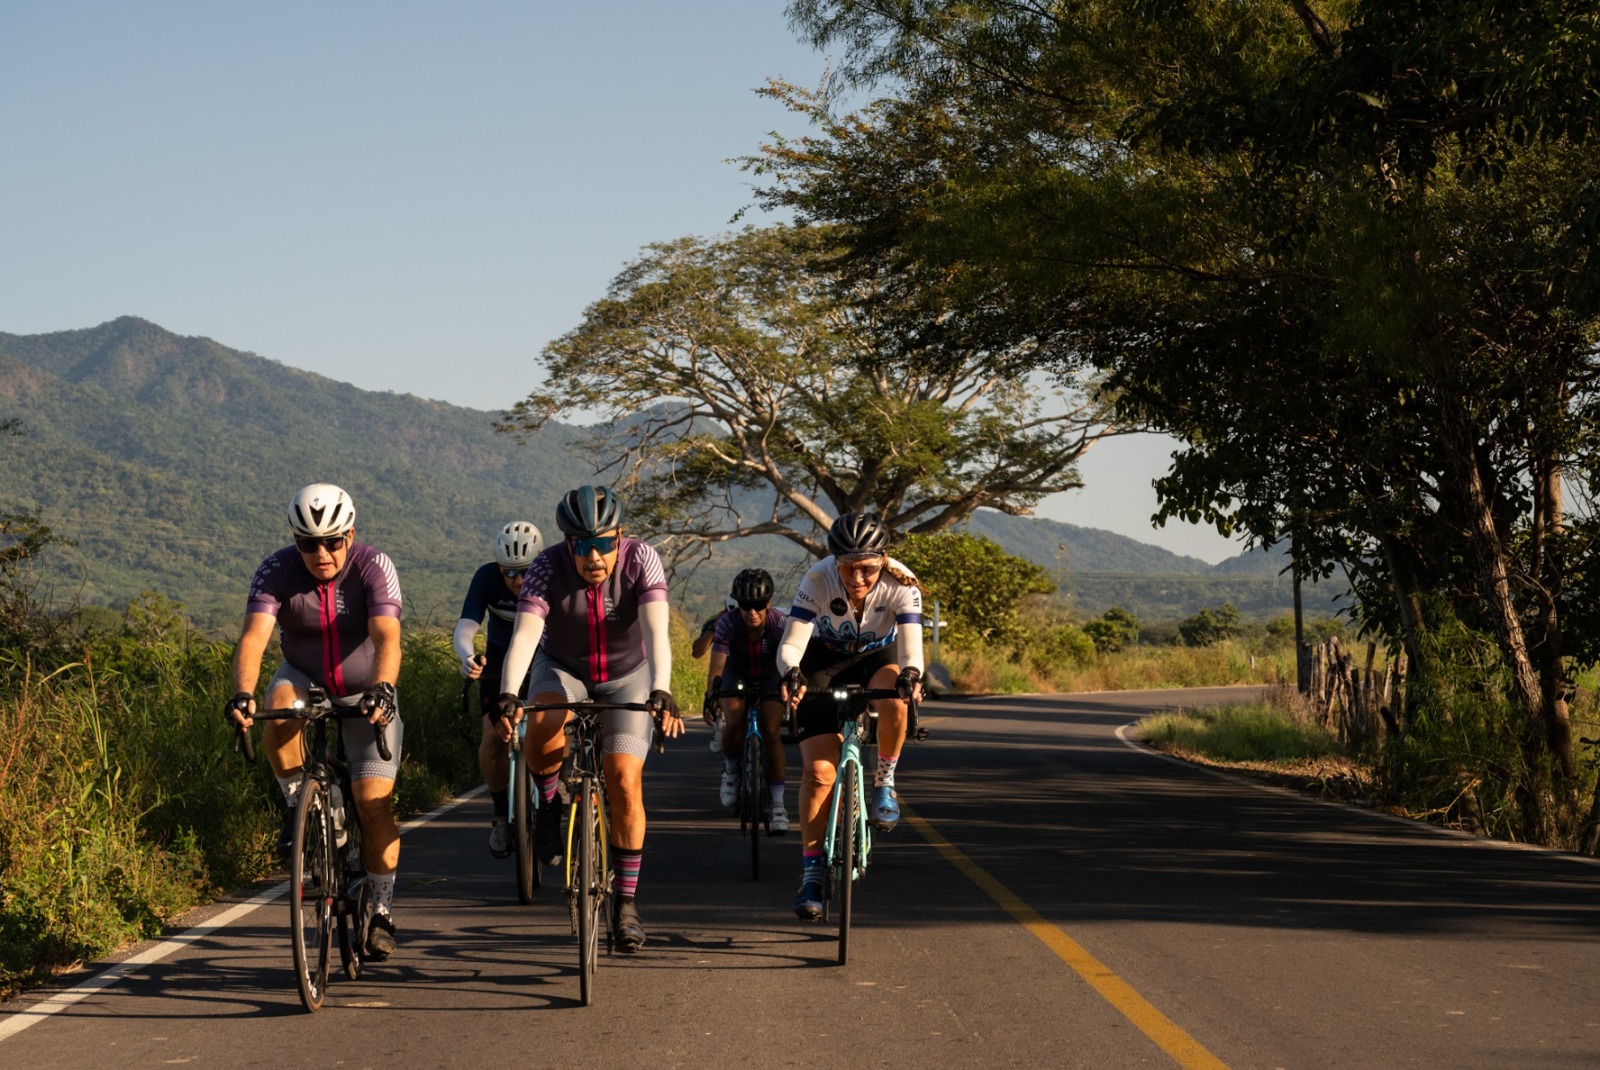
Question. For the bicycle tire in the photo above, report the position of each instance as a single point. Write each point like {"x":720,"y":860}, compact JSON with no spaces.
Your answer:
{"x":522,"y":818}
{"x":845,"y":844}
{"x":588,"y":880}
{"x":352,"y":911}
{"x":311,"y":892}
{"x":750,"y":784}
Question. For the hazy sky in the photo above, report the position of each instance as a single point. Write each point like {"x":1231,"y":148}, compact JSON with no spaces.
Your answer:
{"x":409,"y":197}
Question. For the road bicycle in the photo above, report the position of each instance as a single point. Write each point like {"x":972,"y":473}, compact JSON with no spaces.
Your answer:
{"x":587,"y":857}
{"x":327,"y":876}
{"x":754,"y":796}
{"x":522,"y":806}
{"x":847,"y":839}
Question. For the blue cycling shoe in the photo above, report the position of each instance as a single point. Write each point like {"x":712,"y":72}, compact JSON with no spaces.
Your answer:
{"x":808,"y":904}
{"x":885,"y":810}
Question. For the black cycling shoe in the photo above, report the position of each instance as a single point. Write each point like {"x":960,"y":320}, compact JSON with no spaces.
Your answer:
{"x":286,"y":835}
{"x":626,"y":925}
{"x":380,"y":937}
{"x":547,"y":834}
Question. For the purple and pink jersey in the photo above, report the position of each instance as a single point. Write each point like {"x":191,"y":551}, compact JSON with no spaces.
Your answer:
{"x":751,"y":655}
{"x":594,"y":631}
{"x":323,"y":626}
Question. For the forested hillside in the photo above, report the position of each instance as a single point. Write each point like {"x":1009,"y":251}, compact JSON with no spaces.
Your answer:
{"x":169,"y":461}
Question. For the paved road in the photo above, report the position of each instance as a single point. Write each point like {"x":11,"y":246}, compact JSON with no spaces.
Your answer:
{"x":1058,"y":899}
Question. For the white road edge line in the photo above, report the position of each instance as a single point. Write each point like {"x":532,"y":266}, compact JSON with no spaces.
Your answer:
{"x":24,"y":1017}
{"x":1467,"y":839}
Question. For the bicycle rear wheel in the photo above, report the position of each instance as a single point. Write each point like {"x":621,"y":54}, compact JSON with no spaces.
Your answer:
{"x":844,"y":840}
{"x":750,"y":789}
{"x":312,"y":881}
{"x":589,"y":881}
{"x":522,"y":816}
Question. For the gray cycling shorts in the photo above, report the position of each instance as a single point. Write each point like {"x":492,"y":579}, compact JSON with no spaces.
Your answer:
{"x":626,"y":731}
{"x":360,"y":744}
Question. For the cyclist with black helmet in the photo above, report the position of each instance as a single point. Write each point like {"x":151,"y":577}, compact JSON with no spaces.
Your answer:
{"x":745,"y":648}
{"x":857,"y":619}
{"x":336,"y":605}
{"x":493,"y":591}
{"x":599,"y":602}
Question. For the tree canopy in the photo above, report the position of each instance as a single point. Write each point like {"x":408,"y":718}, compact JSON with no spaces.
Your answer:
{"x":747,"y":389}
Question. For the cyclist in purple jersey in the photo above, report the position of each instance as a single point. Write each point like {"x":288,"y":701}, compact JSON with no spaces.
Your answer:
{"x":604,"y":598}
{"x":336,"y":604}
{"x":493,"y":592}
{"x":746,"y":648}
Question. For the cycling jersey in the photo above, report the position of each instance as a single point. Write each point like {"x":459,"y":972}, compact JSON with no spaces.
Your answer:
{"x":489,"y":594}
{"x":822,"y":601}
{"x":323,"y":626}
{"x":598,"y":634}
{"x":751,"y":656}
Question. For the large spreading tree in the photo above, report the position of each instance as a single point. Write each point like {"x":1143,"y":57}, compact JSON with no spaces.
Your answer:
{"x":1345,"y":250}
{"x":744,"y":388}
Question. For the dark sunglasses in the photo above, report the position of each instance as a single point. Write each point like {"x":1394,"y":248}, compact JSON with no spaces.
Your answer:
{"x":748,"y":607}
{"x":513,"y":573}
{"x":600,"y":544}
{"x":310,"y":544}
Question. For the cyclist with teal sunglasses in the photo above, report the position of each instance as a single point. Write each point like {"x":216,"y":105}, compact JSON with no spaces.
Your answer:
{"x":598,"y":601}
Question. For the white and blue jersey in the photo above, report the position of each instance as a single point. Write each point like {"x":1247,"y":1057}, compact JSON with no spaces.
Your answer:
{"x":822,"y":615}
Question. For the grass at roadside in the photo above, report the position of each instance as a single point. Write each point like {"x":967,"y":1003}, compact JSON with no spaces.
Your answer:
{"x":1256,"y":732}
{"x":994,"y":669}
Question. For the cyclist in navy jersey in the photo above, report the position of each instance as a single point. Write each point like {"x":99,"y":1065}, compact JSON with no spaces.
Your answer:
{"x":604,"y":599}
{"x":336,"y":605}
{"x":493,"y":592}
{"x":746,"y":648}
{"x":857,"y":619}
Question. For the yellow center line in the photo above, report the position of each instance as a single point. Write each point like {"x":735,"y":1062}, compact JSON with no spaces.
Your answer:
{"x":1185,"y":1050}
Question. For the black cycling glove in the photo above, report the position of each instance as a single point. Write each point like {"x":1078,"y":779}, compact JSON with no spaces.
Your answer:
{"x":661,"y":702}
{"x":507,"y":704}
{"x":380,"y":698}
{"x":906,"y":682}
{"x":239,"y":703}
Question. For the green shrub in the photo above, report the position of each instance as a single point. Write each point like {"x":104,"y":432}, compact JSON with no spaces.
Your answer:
{"x":1253,"y":732}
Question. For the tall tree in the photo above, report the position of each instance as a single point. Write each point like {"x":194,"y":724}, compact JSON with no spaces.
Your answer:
{"x":745,"y":390}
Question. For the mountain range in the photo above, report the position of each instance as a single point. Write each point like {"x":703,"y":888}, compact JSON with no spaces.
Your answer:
{"x":168,"y":462}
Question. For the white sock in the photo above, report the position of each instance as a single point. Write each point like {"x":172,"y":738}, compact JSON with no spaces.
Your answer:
{"x":382,"y":887}
{"x":290,"y":786}
{"x":777,"y":794}
{"x":730,"y":765}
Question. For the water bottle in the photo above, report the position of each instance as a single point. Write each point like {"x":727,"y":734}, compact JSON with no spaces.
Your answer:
{"x":340,"y":835}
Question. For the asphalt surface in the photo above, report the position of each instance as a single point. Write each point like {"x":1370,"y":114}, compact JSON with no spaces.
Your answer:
{"x":1055,"y":898}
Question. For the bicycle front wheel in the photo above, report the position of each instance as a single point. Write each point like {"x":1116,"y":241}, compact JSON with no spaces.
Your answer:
{"x":313,"y":879}
{"x":750,"y":787}
{"x":589,"y":879}
{"x":522,"y":815}
{"x":844,"y":840}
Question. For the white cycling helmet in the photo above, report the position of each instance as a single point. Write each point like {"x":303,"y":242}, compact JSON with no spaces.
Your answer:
{"x":320,"y":509}
{"x":518,"y":543}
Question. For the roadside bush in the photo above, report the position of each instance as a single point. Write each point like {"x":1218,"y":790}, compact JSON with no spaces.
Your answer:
{"x":1116,"y":629}
{"x":1258,"y":731}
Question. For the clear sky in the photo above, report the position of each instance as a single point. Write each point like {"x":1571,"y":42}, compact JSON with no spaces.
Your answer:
{"x":406,"y":196}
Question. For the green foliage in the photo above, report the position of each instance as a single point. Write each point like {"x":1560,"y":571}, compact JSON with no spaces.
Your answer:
{"x":1115,"y":629}
{"x":1206,"y":627}
{"x":1254,"y":732}
{"x":980,"y":588}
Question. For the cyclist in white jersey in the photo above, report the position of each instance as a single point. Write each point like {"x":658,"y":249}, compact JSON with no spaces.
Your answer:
{"x":857,"y":619}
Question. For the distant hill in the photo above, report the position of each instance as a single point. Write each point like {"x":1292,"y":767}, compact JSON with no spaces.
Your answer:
{"x":170,"y":459}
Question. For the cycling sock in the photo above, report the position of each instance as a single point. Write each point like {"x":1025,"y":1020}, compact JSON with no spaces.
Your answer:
{"x":811,"y":865}
{"x":547,"y":784}
{"x":290,"y":786}
{"x":627,"y":865}
{"x":502,"y":803}
{"x":730,"y":765}
{"x":382,"y":887}
{"x":777,"y":792}
{"x":883,"y":776}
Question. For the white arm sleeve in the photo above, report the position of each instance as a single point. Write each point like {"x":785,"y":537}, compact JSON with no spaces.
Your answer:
{"x":466,"y":631}
{"x":792,"y":647}
{"x":657,"y":619}
{"x":525,"y":636}
{"x":908,"y":646}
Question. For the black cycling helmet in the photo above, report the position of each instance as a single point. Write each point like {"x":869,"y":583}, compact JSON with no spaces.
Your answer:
{"x":858,"y":533}
{"x":752,"y":586}
{"x":589,"y":511}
